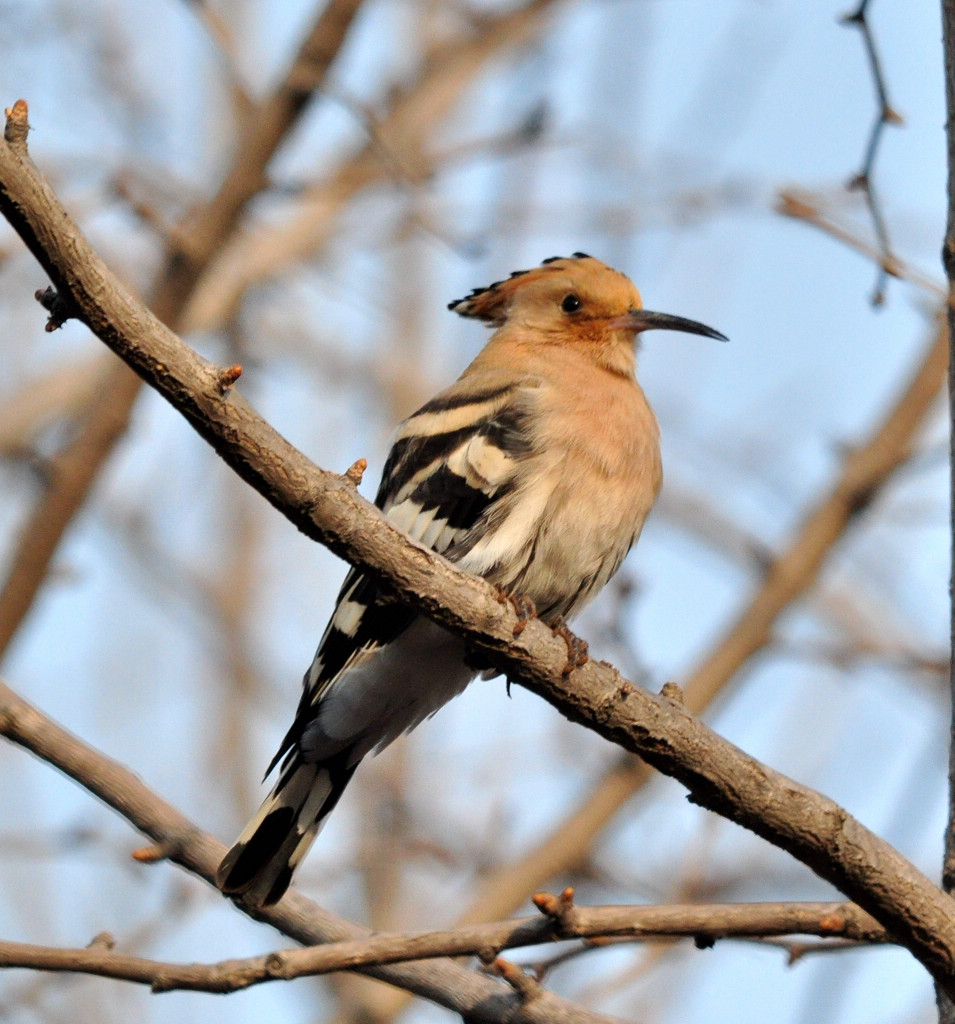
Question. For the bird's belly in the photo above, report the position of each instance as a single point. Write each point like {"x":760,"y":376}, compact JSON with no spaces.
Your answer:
{"x":575,"y":557}
{"x":388,"y":692}
{"x":581,"y":537}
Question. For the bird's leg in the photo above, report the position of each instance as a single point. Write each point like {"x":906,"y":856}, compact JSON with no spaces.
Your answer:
{"x":577,"y":651}
{"x":523,"y":606}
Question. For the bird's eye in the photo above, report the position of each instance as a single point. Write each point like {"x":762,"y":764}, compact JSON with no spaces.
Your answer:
{"x":570,"y":304}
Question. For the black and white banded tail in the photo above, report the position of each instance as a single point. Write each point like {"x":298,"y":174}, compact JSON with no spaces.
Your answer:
{"x":260,"y":865}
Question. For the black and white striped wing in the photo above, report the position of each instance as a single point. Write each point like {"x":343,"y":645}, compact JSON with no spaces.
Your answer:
{"x":451,"y":463}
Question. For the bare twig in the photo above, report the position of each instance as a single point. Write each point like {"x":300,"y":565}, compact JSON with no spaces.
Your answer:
{"x":803,"y":206}
{"x":356,"y":471}
{"x":862,"y":180}
{"x":526,"y":987}
{"x":17,"y":126}
{"x":220,"y":32}
{"x":398,"y":151}
{"x":704,"y":923}
{"x":664,"y":732}
{"x":58,"y":307}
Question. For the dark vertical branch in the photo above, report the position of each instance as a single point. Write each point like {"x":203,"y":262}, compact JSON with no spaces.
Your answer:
{"x":946,"y":1007}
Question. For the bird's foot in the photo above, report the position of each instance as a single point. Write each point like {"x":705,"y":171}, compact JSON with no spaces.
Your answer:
{"x":523,"y":606}
{"x":577,"y":651}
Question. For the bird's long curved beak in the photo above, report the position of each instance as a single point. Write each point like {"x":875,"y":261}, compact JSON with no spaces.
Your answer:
{"x":645,"y":320}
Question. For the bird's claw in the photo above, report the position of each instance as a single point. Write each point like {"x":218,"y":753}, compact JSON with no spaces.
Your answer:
{"x":577,"y":651}
{"x":523,"y":607}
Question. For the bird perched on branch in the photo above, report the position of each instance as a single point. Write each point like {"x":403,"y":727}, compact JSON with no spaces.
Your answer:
{"x":536,"y":469}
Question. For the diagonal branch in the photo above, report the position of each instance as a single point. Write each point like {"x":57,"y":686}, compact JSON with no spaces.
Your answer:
{"x":802,"y":205}
{"x":397,"y":149}
{"x":327,"y":508}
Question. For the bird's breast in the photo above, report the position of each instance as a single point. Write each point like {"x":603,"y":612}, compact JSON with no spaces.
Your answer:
{"x":587,"y":487}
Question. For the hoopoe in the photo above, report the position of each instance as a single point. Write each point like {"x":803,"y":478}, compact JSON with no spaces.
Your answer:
{"x":536,"y":469}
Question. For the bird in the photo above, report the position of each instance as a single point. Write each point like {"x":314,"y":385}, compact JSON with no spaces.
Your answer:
{"x":536,"y":469}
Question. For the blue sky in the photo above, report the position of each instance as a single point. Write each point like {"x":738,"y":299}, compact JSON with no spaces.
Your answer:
{"x":671,"y":126}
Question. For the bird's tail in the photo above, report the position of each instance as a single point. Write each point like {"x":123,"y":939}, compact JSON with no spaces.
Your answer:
{"x":260,"y":865}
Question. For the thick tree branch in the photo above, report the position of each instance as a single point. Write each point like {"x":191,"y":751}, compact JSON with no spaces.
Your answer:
{"x":327,"y":508}
{"x":704,"y":923}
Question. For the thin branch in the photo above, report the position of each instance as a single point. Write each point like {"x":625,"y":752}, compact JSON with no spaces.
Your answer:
{"x":268,"y":126}
{"x":886,"y":115}
{"x":223,"y":39}
{"x":796,"y":951}
{"x":802,"y":206}
{"x":659,"y":728}
{"x":704,"y":923}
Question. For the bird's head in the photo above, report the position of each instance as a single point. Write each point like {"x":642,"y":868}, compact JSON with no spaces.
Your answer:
{"x":574,"y":300}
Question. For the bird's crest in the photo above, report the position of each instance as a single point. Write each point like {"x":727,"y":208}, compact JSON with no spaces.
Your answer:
{"x":490,"y":304}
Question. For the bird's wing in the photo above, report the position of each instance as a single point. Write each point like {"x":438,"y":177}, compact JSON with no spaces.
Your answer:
{"x":452,"y":463}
